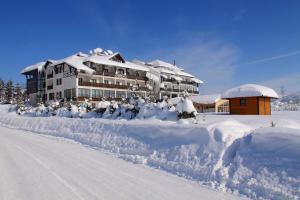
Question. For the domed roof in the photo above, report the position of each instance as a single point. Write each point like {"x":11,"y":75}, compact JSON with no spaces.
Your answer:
{"x":249,"y":90}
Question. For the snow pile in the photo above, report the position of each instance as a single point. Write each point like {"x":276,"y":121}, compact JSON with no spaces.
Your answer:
{"x":266,"y":164}
{"x":249,"y":90}
{"x":241,"y":154}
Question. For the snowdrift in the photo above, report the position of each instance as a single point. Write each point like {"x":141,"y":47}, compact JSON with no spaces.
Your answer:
{"x":228,"y":154}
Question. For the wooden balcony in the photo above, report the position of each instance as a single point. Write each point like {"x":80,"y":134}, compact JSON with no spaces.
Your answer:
{"x":81,"y":98}
{"x":113,"y":74}
{"x":188,"y":82}
{"x":177,"y":90}
{"x":103,"y":85}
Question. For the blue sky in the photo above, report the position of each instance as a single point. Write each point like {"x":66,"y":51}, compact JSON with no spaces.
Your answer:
{"x":224,"y":43}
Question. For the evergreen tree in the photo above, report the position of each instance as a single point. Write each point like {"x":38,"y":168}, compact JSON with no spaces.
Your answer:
{"x":9,"y":92}
{"x":19,"y":95}
{"x":2,"y":90}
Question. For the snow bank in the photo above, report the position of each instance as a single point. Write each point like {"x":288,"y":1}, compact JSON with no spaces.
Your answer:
{"x":231,"y":154}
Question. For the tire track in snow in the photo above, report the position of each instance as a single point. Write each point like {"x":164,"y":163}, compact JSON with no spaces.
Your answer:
{"x":47,"y":168}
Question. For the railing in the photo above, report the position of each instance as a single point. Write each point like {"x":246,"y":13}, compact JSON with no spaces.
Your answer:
{"x":81,"y":98}
{"x":178,"y":90}
{"x":112,"y":74}
{"x":89,"y":84}
{"x":142,"y":89}
{"x":187,"y":82}
{"x":169,"y":80}
{"x":136,"y":77}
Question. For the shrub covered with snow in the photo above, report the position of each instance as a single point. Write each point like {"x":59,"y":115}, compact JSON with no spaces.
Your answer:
{"x":185,"y":108}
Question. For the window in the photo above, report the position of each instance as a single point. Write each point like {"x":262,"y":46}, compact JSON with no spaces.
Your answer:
{"x":97,"y":93}
{"x":105,"y":70}
{"x":121,"y":71}
{"x":242,"y":102}
{"x":58,"y":69}
{"x":109,"y":93}
{"x":83,"y":92}
{"x":120,"y":94}
{"x":51,"y":96}
{"x":94,"y":81}
{"x":58,"y":95}
{"x":58,"y":81}
{"x":118,"y":83}
{"x":105,"y":81}
{"x":80,"y":81}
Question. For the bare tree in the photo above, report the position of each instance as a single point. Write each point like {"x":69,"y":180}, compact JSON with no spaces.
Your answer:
{"x":282,"y":91}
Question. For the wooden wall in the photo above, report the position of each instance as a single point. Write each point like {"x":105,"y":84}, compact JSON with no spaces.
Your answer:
{"x":254,"y":106}
{"x":264,"y":106}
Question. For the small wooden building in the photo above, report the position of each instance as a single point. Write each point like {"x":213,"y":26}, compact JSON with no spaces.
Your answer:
{"x":250,"y":99}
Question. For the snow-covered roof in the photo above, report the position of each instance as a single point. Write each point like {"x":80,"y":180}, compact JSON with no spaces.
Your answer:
{"x":197,"y":80}
{"x":37,"y":66}
{"x":162,"y":70}
{"x":177,"y":78}
{"x":75,"y":61}
{"x":164,"y":76}
{"x":160,"y":63}
{"x":249,"y":90}
{"x":105,"y":60}
{"x":206,"y":99}
{"x":182,"y":73}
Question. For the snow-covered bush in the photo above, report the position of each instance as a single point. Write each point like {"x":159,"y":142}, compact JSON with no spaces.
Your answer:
{"x":101,"y":106}
{"x":185,"y":108}
{"x":41,"y":111}
{"x":136,"y":107}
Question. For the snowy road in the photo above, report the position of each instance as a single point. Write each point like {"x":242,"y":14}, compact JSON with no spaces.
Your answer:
{"x":41,"y":167}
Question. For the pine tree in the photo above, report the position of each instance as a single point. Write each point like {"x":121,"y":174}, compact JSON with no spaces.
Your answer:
{"x":2,"y":90}
{"x":19,"y":95}
{"x":9,"y":92}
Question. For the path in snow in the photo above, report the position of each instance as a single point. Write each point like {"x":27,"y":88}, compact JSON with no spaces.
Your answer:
{"x":42,"y":167}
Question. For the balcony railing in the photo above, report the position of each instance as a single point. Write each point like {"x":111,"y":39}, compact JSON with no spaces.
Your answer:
{"x":103,"y":85}
{"x":143,"y":89}
{"x":178,"y":90}
{"x":113,"y":74}
{"x":188,"y":82}
{"x":142,"y":78}
{"x":81,"y":98}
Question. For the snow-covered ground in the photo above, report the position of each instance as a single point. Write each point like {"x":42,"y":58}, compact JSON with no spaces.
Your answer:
{"x":257,"y":156}
{"x":34,"y":167}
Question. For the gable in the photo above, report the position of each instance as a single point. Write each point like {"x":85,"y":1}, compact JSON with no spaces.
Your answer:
{"x":117,"y":57}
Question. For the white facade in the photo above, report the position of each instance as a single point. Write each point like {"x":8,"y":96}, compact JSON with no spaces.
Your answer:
{"x":170,"y":80}
{"x":107,"y":74}
{"x":94,"y":76}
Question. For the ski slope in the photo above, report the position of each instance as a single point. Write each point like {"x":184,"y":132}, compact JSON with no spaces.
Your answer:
{"x":35,"y":166}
